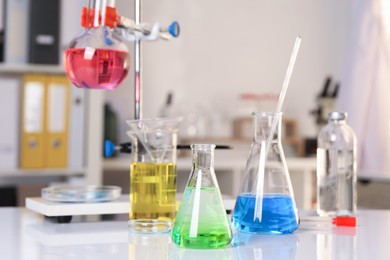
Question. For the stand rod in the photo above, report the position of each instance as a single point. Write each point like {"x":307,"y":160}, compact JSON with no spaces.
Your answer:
{"x":137,"y":65}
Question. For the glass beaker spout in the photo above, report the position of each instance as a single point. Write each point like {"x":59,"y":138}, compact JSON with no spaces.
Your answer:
{"x":266,"y":202}
{"x":153,"y":174}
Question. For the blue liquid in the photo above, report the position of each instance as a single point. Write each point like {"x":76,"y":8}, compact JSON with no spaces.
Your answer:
{"x":278,"y":216}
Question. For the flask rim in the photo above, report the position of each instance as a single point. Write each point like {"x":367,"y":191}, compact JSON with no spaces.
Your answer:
{"x":338,"y":116}
{"x":162,"y":124}
{"x":202,"y":147}
{"x":267,"y":113}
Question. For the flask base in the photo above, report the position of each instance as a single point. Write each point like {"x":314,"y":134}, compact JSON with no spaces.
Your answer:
{"x":150,"y":226}
{"x":279,"y":215}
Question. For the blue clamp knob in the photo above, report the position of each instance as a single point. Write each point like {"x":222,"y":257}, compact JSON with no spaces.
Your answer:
{"x":174,"y":29}
{"x":109,"y":148}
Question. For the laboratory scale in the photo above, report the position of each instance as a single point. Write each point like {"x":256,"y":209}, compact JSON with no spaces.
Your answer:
{"x":64,"y":211}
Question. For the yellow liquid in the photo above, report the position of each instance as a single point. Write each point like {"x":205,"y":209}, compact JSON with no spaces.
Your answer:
{"x":152,"y":191}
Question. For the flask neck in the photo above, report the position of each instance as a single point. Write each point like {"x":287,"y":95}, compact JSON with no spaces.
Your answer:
{"x":339,"y":122}
{"x":202,"y":156}
{"x":263,"y":124}
{"x":99,"y":13}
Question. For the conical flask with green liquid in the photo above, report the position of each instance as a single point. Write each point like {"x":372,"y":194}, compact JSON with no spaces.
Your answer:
{"x":201,"y":221}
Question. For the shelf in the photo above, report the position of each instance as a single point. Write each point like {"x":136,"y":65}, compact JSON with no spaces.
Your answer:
{"x":122,"y":163}
{"x":41,"y":172}
{"x":31,"y":68}
{"x":230,"y":168}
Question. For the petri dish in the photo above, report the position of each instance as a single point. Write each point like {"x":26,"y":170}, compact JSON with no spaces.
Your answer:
{"x":84,"y":194}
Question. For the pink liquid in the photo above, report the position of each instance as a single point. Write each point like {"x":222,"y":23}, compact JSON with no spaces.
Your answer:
{"x":101,"y":69}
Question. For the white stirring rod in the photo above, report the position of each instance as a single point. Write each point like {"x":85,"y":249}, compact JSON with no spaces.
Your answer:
{"x":264,"y":154}
{"x":283,"y":92}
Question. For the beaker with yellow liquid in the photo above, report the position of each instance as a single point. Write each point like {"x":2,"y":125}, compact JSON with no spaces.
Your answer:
{"x":153,"y":174}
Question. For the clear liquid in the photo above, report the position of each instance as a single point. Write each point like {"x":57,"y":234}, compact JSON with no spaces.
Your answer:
{"x":102,"y":69}
{"x":336,"y":189}
{"x":206,"y":226}
{"x":152,"y":192}
{"x":278,"y":214}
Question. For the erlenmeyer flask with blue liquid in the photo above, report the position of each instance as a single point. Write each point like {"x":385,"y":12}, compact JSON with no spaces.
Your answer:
{"x":266,"y":204}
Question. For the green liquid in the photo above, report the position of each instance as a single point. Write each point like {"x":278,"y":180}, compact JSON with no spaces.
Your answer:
{"x":201,"y":221}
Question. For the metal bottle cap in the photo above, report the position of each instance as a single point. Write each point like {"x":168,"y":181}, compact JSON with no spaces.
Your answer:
{"x":338,"y":116}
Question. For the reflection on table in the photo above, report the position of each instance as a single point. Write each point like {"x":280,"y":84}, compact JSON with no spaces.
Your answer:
{"x":28,"y":235}
{"x":247,"y":246}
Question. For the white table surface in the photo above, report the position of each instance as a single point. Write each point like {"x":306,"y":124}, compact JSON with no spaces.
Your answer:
{"x":27,"y":235}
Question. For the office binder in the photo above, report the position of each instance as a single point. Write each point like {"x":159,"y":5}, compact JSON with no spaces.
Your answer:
{"x":16,"y":31}
{"x":33,"y":123}
{"x":9,"y":117}
{"x":76,"y":128}
{"x":2,"y":19}
{"x":44,"y":17}
{"x":56,"y":147}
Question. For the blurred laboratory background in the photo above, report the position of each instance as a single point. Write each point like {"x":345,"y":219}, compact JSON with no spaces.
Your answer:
{"x":229,"y":61}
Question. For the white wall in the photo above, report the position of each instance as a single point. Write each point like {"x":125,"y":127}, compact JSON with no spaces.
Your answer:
{"x":229,"y":47}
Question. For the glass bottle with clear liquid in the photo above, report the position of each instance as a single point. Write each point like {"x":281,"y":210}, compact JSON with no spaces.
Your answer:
{"x":336,"y":168}
{"x":201,"y":221}
{"x":266,"y":204}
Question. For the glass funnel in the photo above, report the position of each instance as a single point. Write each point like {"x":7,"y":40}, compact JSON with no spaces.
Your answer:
{"x":266,"y":202}
{"x":153,"y":174}
{"x":97,"y":58}
{"x":201,"y":221}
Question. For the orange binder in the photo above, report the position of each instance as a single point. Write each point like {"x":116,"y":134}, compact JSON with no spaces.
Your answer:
{"x":57,"y":121}
{"x":32,"y":143}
